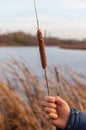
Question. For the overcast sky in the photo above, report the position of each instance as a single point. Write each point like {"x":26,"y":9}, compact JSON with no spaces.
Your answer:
{"x":60,"y":18}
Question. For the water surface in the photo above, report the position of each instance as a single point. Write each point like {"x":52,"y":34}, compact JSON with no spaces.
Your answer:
{"x":75,"y":59}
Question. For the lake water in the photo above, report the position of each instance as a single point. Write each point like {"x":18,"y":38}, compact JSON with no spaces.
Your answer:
{"x":75,"y":59}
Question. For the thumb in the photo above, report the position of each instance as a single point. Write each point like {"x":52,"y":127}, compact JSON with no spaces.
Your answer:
{"x":59,"y":101}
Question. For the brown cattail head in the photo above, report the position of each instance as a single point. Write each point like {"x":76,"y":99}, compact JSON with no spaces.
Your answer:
{"x":42,"y":49}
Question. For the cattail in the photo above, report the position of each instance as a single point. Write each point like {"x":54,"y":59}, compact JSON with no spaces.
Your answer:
{"x":42,"y":49}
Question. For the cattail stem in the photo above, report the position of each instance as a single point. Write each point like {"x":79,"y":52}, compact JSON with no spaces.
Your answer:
{"x":43,"y":56}
{"x":36,"y":14}
{"x":47,"y":82}
{"x":41,"y":49}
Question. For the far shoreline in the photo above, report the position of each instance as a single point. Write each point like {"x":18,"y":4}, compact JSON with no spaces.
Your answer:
{"x":21,"y":39}
{"x":60,"y":47}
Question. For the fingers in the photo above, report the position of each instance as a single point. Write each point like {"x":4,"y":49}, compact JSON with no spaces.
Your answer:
{"x":57,"y":111}
{"x":47,"y":104}
{"x":50,"y":110}
{"x":51,"y":116}
{"x":53,"y":102}
{"x":59,"y":101}
{"x":49,"y":99}
{"x":50,"y":107}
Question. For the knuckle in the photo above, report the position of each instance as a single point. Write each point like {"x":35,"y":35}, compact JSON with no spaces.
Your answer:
{"x":42,"y":102}
{"x":47,"y":117}
{"x":52,"y":105}
{"x":45,"y":109}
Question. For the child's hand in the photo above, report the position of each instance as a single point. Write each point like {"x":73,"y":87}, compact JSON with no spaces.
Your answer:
{"x":57,"y":111}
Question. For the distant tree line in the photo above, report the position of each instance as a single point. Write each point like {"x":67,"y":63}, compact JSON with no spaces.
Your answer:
{"x":23,"y":39}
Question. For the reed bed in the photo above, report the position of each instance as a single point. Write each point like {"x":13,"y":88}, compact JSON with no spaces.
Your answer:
{"x":21,"y":92}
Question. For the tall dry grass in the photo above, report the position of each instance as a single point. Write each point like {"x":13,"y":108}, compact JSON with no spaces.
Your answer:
{"x":21,"y":93}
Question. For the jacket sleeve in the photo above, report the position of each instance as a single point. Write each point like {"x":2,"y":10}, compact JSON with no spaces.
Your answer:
{"x":77,"y":120}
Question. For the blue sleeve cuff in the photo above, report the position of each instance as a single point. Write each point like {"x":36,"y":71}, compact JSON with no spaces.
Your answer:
{"x":77,"y":120}
{"x":72,"y":124}
{"x":82,"y":122}
{"x":73,"y":120}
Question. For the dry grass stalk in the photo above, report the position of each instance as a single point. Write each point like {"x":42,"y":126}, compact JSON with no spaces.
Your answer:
{"x":21,"y":92}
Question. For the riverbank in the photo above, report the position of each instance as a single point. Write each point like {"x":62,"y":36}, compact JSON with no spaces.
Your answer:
{"x":23,"y":39}
{"x":74,"y":45}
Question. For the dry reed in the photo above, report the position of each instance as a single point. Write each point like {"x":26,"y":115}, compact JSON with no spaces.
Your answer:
{"x":21,"y":93}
